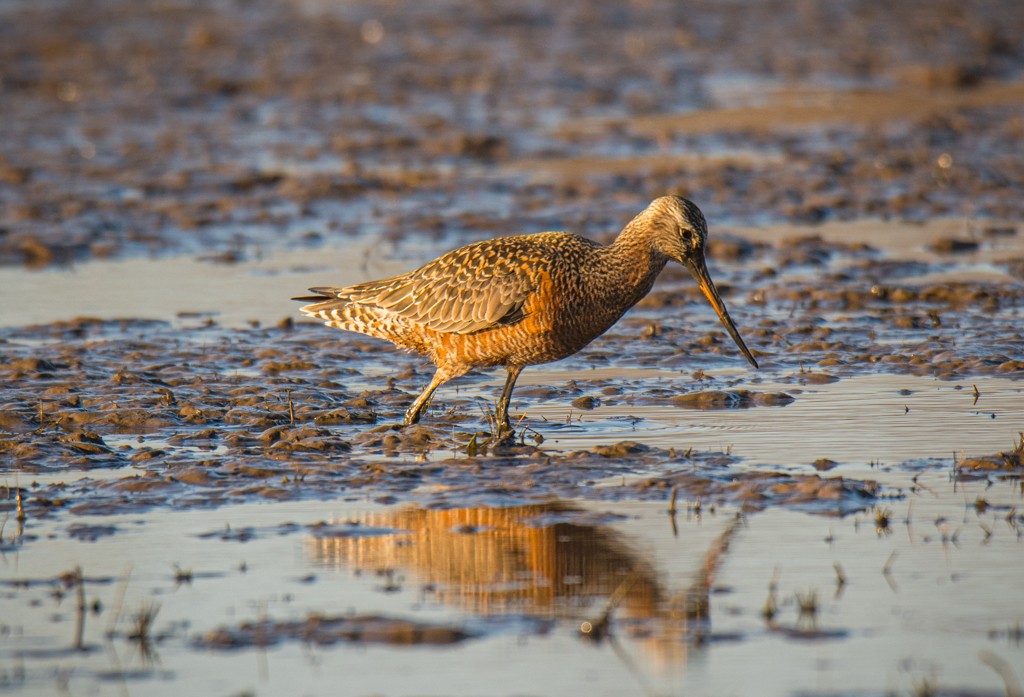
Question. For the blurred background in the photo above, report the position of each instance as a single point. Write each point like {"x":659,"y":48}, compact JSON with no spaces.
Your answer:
{"x":228,"y":131}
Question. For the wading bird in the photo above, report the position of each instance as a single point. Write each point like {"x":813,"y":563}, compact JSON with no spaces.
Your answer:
{"x":522,"y":300}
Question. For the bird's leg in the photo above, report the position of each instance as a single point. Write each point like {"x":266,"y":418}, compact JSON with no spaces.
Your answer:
{"x":413,"y":413}
{"x":501,"y":414}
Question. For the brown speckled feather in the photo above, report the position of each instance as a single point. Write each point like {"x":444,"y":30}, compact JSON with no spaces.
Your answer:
{"x":464,"y":291}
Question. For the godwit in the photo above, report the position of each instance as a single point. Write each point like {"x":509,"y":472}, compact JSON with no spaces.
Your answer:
{"x":522,"y":300}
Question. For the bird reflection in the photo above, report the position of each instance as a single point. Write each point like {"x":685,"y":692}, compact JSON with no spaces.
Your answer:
{"x":550,"y":560}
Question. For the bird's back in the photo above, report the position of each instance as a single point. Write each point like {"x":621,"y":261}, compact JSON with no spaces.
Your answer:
{"x":491,"y":301}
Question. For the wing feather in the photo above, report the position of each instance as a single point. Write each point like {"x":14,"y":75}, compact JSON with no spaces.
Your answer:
{"x":466,"y":290}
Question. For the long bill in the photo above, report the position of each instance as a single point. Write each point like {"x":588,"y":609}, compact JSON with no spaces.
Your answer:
{"x":699,"y":269}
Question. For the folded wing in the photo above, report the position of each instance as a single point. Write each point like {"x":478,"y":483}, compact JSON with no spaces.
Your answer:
{"x":467,"y":290}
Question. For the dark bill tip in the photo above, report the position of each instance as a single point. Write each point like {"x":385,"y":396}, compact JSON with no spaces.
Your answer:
{"x":699,"y":270}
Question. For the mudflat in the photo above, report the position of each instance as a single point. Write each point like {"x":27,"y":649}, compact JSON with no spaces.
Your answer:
{"x":201,"y":492}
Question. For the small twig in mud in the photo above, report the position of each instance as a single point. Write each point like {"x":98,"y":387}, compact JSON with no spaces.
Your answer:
{"x":291,"y":410}
{"x":142,"y":629}
{"x":887,"y":570}
{"x":522,"y":434}
{"x":672,"y":501}
{"x":262,"y":641}
{"x":142,"y":621}
{"x":882,"y":519}
{"x":21,"y":516}
{"x":925,"y":487}
{"x":42,"y":419}
{"x":182,"y":576}
{"x":538,"y":437}
{"x":807,"y":605}
{"x":1011,"y":684}
{"x":118,"y":607}
{"x":73,"y":580}
{"x":840,"y":577}
{"x":771,"y":604}
{"x":1016,"y":456}
{"x":988,"y":533}
{"x":954,"y":476}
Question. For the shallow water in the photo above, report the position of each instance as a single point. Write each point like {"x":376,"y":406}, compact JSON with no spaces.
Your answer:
{"x":432,"y":587}
{"x":170,"y":287}
{"x":522,"y":581}
{"x":179,"y":172}
{"x":861,"y":421}
{"x":440,"y":590}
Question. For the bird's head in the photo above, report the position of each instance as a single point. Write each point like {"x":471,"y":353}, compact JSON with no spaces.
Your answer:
{"x":678,"y":228}
{"x":680,"y":232}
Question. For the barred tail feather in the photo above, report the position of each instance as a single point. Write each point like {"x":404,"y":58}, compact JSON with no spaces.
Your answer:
{"x":368,"y":320}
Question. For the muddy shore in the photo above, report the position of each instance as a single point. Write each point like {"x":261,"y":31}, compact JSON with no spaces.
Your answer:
{"x":194,"y":481}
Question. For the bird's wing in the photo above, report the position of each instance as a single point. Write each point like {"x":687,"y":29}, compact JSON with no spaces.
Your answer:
{"x":463,"y":291}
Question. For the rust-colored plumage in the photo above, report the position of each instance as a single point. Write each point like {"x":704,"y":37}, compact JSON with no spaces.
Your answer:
{"x":523,"y":300}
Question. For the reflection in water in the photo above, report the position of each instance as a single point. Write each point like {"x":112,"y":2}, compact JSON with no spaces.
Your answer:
{"x":547,"y":560}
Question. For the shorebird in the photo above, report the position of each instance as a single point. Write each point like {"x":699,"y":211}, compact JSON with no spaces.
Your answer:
{"x":522,"y":300}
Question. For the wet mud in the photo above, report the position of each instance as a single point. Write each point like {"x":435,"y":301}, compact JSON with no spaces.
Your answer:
{"x":193,"y":480}
{"x":217,"y":131}
{"x":324,"y":631}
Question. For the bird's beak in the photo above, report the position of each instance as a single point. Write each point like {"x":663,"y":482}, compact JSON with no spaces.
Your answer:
{"x":699,"y":269}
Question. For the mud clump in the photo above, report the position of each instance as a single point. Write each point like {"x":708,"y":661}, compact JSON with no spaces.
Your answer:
{"x":85,"y":442}
{"x":758,"y":490}
{"x":731,"y":399}
{"x":586,"y":403}
{"x":395,"y":439}
{"x":621,"y":449}
{"x":1010,"y":462}
{"x":90,"y":533}
{"x":325,"y":630}
{"x":953,"y":245}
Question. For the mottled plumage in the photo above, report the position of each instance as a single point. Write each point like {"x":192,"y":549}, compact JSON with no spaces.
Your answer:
{"x":523,"y":300}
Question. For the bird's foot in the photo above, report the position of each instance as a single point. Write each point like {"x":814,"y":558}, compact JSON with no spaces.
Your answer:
{"x":502,"y":431}
{"x":503,"y":434}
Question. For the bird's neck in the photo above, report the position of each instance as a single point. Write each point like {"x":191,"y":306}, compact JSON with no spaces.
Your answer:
{"x":633,"y":262}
